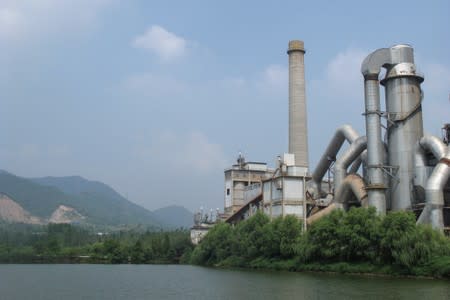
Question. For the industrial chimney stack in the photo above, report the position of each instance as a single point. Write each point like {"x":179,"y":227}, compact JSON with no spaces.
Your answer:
{"x":298,"y":131}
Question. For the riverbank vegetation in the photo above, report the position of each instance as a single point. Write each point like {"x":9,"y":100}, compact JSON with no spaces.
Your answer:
{"x":63,"y":243}
{"x":357,"y":241}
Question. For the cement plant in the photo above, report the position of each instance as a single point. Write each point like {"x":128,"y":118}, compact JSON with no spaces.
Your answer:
{"x":393,"y":166}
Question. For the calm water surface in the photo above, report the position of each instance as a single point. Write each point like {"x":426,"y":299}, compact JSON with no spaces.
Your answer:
{"x":190,"y":282}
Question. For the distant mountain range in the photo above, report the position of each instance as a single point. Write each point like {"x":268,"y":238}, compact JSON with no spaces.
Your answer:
{"x":75,"y":199}
{"x":175,"y":216}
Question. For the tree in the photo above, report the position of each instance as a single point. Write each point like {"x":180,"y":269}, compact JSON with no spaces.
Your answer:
{"x":290,"y":231}
{"x":251,"y":236}
{"x":112,"y":251}
{"x":215,"y":246}
{"x":359,"y":235}
{"x":406,"y":245}
{"x":321,"y":242}
{"x":137,"y":253}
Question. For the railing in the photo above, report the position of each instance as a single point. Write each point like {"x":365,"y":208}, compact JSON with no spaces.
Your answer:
{"x":251,"y":191}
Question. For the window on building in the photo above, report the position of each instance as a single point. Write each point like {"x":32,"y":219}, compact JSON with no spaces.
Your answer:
{"x":228,"y":192}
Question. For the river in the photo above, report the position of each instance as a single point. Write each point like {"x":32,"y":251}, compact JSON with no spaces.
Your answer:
{"x":53,"y":282}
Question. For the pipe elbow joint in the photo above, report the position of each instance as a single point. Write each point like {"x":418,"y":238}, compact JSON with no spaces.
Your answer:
{"x":372,"y":64}
{"x":313,"y":189}
{"x":356,"y":148}
{"x":433,"y":144}
{"x":348,"y":132}
{"x":385,"y":57}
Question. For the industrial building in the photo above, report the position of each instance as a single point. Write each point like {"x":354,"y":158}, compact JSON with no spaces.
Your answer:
{"x":282,"y":191}
{"x":243,"y":182}
{"x":394,"y":166}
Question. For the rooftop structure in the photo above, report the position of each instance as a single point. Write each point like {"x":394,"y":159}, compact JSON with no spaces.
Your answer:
{"x":242,"y":181}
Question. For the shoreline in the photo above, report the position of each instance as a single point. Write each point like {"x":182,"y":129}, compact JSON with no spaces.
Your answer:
{"x":309,"y":268}
{"x":327,"y":269}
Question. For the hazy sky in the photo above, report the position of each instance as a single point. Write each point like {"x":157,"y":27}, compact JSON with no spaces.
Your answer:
{"x":156,"y":98}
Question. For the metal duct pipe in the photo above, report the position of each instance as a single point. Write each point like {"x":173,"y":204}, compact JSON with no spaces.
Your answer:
{"x":298,"y":130}
{"x":345,"y":132}
{"x":405,"y":127}
{"x":364,"y":160}
{"x":352,"y":183}
{"x":375,"y":186}
{"x":355,"y":184}
{"x":430,"y":143}
{"x":322,"y":213}
{"x":357,"y":164}
{"x":350,"y":155}
{"x":434,"y":194}
{"x":422,"y":170}
{"x":370,"y":69}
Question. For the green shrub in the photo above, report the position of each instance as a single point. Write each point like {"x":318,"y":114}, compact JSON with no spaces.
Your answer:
{"x":251,"y":235}
{"x":407,"y":245}
{"x":215,"y":247}
{"x":321,"y":242}
{"x":359,"y":235}
{"x":356,"y":241}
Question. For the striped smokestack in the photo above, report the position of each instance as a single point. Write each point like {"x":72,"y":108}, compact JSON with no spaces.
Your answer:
{"x":298,"y":131}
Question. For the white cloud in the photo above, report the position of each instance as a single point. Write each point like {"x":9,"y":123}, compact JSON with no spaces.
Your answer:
{"x":29,"y":152}
{"x":26,"y":158}
{"x":271,"y":81}
{"x":276,"y":76}
{"x":230,"y":83}
{"x":337,"y":95}
{"x":28,"y":20}
{"x":201,"y":154}
{"x":11,"y":23}
{"x":190,"y":153}
{"x":436,"y":104}
{"x":153,"y":85}
{"x":437,"y":78}
{"x":167,"y":45}
{"x":342,"y":75}
{"x":339,"y":90}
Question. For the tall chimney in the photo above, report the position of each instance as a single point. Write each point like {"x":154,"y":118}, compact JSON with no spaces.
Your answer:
{"x":298,"y":131}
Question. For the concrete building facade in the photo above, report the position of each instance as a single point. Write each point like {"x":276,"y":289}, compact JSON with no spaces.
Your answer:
{"x":243,"y":180}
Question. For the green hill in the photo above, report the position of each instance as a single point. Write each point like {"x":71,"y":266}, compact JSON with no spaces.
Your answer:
{"x":95,"y":200}
{"x":39,"y":200}
{"x":100,"y":200}
{"x":175,"y":216}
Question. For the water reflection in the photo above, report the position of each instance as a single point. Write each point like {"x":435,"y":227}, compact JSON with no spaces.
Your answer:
{"x":190,"y":282}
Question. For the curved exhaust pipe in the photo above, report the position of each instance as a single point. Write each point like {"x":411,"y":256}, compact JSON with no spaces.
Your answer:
{"x":350,"y":155}
{"x":352,"y":183}
{"x":434,"y":194}
{"x":426,"y":143}
{"x":343,"y":133}
{"x":358,"y":162}
{"x":432,"y":144}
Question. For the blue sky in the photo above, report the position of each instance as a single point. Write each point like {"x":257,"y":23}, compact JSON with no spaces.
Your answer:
{"x":156,"y":98}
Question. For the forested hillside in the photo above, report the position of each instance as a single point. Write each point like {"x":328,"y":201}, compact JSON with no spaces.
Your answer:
{"x":96,"y":201}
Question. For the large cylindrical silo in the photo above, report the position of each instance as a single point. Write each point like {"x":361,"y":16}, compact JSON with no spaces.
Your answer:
{"x":405,"y":128}
{"x":298,"y":131}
